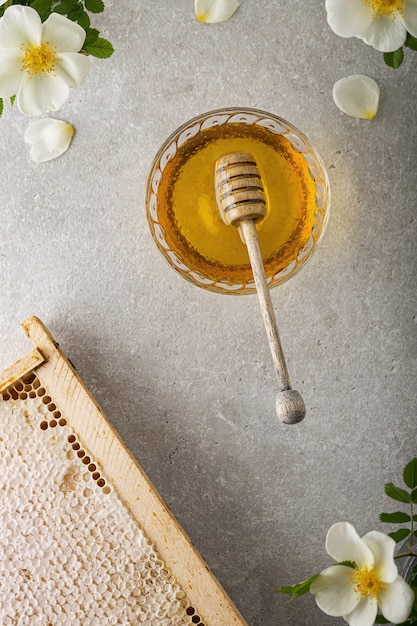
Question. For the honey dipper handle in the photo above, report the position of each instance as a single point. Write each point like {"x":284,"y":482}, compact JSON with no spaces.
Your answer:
{"x":250,"y":236}
{"x":290,"y":406}
{"x":242,"y":202}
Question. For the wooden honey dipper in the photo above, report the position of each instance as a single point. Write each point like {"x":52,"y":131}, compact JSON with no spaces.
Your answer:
{"x":241,"y":201}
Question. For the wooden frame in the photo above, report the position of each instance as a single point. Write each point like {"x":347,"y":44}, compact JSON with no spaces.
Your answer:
{"x":89,"y":422}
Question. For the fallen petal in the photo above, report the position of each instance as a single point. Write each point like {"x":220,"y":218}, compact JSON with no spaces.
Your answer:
{"x":211,"y":11}
{"x":48,"y":138}
{"x":357,"y":95}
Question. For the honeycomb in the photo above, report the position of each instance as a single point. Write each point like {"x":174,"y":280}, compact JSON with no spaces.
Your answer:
{"x":70,"y":551}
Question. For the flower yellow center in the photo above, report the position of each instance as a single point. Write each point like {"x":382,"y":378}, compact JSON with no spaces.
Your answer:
{"x":39,"y":60}
{"x":386,"y":7}
{"x":367,"y":583}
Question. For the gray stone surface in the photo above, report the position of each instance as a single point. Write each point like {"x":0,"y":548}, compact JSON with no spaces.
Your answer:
{"x":185,"y":375}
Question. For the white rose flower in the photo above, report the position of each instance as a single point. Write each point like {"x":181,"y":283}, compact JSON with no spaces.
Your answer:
{"x":39,"y":63}
{"x":382,"y":24}
{"x":356,"y":593}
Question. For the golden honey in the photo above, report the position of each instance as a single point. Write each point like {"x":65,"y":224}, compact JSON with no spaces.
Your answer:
{"x":191,"y":221}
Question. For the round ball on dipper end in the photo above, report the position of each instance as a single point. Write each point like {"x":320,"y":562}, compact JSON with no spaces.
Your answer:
{"x":290,"y":407}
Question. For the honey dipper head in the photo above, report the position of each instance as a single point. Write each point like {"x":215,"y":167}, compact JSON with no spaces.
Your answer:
{"x":239,"y":191}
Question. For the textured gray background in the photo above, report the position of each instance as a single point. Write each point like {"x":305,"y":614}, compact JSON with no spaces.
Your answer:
{"x":185,"y":375}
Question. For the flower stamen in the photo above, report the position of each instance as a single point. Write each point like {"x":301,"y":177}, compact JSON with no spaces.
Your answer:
{"x":386,"y":7}
{"x":39,"y":60}
{"x":367,"y":583}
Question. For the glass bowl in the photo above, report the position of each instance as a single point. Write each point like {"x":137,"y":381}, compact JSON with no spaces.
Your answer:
{"x":181,"y":206}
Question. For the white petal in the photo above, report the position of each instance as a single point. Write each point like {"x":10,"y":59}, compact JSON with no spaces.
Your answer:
{"x":348,"y":19}
{"x":364,"y":614}
{"x":20,"y":25}
{"x":73,"y":68}
{"x":38,"y":95}
{"x":11,"y":75}
{"x":63,"y":34}
{"x":2,"y":2}
{"x":48,"y":138}
{"x":385,"y":33}
{"x":344,"y":544}
{"x":382,"y":548}
{"x":212,"y":11}
{"x":334,"y":592}
{"x":396,"y":601}
{"x":357,"y":96}
{"x":410,"y":17}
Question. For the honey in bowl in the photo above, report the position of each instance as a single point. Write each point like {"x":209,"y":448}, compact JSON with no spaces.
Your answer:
{"x":186,"y":222}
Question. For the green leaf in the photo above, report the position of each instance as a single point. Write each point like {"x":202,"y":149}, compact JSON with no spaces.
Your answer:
{"x":94,"y":6}
{"x":75,"y":13}
{"x":65,"y":7}
{"x":380,"y":619}
{"x":83,"y":20}
{"x":410,"y":471}
{"x":91,"y":37}
{"x":299,"y":589}
{"x":68,"y":5}
{"x":394,"y":518}
{"x":100,"y":48}
{"x":347,"y":564}
{"x":1,"y":107}
{"x":42,"y":6}
{"x":414,"y":496}
{"x":411,"y":42}
{"x":397,"y":493}
{"x":399,"y":535}
{"x":12,"y":99}
{"x":394,"y":59}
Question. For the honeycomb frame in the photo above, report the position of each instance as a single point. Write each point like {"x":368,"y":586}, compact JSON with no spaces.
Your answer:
{"x":99,"y":465}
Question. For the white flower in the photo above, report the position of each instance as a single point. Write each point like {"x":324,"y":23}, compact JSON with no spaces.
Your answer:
{"x":39,"y":63}
{"x":382,"y":24}
{"x":355,"y":593}
{"x":48,"y":138}
{"x":211,"y":11}
{"x":357,"y":96}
